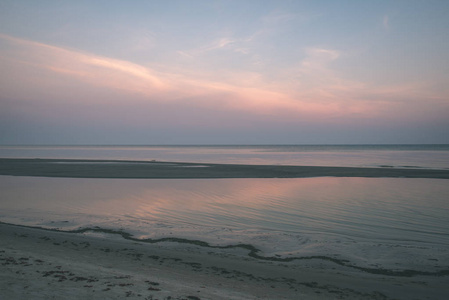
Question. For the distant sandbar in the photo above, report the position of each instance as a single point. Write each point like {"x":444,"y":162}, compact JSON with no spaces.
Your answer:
{"x":176,"y":170}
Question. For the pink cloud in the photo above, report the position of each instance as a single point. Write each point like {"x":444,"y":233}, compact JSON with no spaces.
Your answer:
{"x":310,"y":90}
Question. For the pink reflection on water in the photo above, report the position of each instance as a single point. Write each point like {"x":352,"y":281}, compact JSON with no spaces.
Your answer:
{"x":349,"y":206}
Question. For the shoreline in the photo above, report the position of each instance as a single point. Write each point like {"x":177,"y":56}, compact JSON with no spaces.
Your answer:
{"x":41,"y":264}
{"x":101,"y":263}
{"x":246,"y":250}
{"x":75,"y":168}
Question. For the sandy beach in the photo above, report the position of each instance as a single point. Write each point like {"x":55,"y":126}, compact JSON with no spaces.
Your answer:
{"x":224,"y":150}
{"x":48,"y":264}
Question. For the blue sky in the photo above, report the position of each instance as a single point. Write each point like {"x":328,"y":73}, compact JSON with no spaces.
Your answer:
{"x":224,"y":72}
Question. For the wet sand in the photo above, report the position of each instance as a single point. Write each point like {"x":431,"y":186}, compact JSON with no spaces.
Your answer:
{"x":145,"y":169}
{"x":50,"y":264}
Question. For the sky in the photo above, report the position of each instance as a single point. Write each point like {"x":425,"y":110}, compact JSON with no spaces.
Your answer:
{"x":224,"y":72}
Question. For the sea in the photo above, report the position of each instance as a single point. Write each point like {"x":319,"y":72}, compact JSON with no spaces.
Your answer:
{"x":402,"y":156}
{"x":377,"y":223}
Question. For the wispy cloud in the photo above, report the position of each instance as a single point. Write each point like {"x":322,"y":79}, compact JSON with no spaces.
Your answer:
{"x":222,"y":43}
{"x":310,"y":90}
{"x":319,"y":58}
{"x":95,"y":69}
{"x":277,"y":17}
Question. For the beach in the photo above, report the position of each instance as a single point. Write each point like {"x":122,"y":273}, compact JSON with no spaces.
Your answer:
{"x":221,"y":150}
{"x":47,"y":264}
{"x":52,"y":257}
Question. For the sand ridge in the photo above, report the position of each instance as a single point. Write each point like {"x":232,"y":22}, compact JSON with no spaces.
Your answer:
{"x":151,"y":169}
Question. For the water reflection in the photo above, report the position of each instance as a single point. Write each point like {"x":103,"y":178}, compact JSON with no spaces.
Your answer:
{"x":406,"y":209}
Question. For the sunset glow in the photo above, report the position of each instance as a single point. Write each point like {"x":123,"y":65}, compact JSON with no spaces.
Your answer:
{"x":224,"y":72}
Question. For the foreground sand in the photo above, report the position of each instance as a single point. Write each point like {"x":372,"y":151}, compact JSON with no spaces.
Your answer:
{"x":43,"y":264}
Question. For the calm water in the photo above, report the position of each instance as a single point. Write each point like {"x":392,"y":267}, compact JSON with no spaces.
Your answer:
{"x":416,"y":156}
{"x":405,"y":219}
{"x":369,"y":221}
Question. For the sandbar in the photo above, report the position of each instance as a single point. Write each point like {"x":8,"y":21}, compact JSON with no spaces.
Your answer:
{"x":177,"y":170}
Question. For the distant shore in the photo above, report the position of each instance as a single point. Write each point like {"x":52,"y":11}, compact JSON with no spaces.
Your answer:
{"x":73,"y":168}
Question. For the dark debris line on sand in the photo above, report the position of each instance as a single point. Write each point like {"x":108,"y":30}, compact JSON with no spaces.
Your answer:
{"x":129,"y":287}
{"x":252,"y":252}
